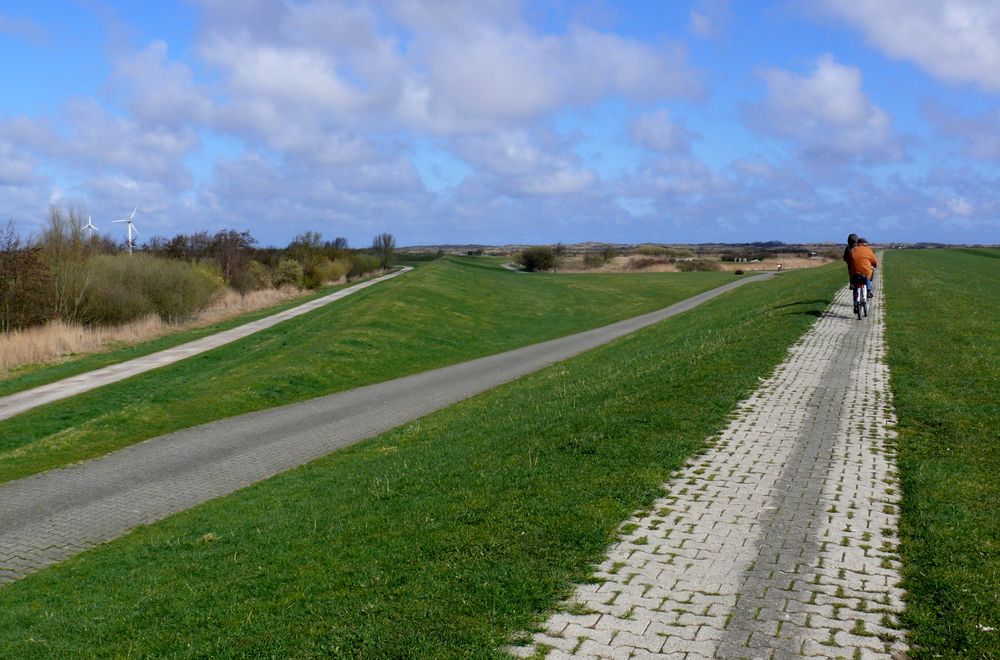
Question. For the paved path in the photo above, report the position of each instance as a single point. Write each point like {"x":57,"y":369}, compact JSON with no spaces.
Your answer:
{"x":777,"y":542}
{"x":52,"y":516}
{"x":20,"y":402}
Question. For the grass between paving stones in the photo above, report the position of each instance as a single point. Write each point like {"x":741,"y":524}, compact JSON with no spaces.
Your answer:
{"x":943,"y":332}
{"x":439,"y":314}
{"x":442,"y":538}
{"x":24,"y":378}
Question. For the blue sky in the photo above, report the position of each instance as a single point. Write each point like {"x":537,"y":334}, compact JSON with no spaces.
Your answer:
{"x":502,"y":122}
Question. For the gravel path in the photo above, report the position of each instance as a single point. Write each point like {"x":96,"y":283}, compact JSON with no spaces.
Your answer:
{"x":52,"y":516}
{"x":777,"y":542}
{"x":15,"y":404}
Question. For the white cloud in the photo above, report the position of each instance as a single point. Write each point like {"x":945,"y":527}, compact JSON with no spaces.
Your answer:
{"x":162,"y":91}
{"x":16,"y":166}
{"x":826,"y":114}
{"x":24,"y":28}
{"x":951,"y":207}
{"x":955,"y":40}
{"x":711,"y":18}
{"x":92,"y":138}
{"x":518,"y":162}
{"x":509,"y":72}
{"x":978,"y":134}
{"x":658,"y":132}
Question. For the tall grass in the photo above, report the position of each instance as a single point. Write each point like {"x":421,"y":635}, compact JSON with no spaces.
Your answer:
{"x":57,"y":339}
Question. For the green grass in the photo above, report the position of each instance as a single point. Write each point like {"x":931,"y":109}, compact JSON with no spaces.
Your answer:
{"x":442,"y":538}
{"x":943,"y":331}
{"x":441,"y":313}
{"x":36,"y":375}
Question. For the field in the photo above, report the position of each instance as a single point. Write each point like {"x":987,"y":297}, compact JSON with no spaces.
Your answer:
{"x":444,"y":537}
{"x":445,"y":312}
{"x":944,"y":353}
{"x":637,"y":263}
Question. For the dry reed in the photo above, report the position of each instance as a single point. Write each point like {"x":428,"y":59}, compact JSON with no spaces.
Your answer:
{"x":57,"y":340}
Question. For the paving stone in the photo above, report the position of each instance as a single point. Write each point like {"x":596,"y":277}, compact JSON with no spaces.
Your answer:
{"x":785,"y":541}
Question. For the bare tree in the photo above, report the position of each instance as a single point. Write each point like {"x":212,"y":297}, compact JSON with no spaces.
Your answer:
{"x":23,"y":282}
{"x":384,"y":246}
{"x":65,"y":249}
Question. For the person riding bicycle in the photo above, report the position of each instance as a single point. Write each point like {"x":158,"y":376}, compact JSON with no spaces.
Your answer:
{"x":861,"y":262}
{"x":869,"y":281}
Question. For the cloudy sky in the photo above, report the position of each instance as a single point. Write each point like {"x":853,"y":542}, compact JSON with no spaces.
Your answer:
{"x":494,"y":121}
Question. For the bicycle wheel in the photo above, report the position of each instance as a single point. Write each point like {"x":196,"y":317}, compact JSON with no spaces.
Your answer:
{"x":864,"y":305}
{"x":858,"y":302}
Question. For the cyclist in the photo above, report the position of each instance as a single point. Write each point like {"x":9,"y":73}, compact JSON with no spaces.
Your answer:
{"x":861,"y":262}
{"x":874,"y":263}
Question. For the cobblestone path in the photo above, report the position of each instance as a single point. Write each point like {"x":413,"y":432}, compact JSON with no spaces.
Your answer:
{"x":777,"y":542}
{"x":52,"y":516}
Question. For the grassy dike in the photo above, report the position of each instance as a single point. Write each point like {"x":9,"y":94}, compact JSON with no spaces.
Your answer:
{"x":442,"y":313}
{"x":441,"y":538}
{"x":944,"y":355}
{"x":36,"y":375}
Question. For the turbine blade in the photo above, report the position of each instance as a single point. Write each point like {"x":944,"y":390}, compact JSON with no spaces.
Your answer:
{"x":133,"y":213}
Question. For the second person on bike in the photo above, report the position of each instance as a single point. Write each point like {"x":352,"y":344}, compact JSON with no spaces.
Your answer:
{"x":861,"y":262}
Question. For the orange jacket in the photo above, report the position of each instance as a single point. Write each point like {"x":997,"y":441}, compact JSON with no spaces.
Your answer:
{"x":861,"y":261}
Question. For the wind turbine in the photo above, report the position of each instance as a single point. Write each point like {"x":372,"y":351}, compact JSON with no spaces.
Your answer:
{"x":131,"y":228}
{"x":90,"y":226}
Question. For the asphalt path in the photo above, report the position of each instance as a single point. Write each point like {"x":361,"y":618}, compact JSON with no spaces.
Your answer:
{"x":47,"y":518}
{"x":15,"y":404}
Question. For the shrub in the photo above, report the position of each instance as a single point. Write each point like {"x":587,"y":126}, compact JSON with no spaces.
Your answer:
{"x":324,"y":270}
{"x":256,"y":276}
{"x":124,"y":288}
{"x":697,"y":265}
{"x":593,"y":260}
{"x":341,"y":268}
{"x":362,"y":264}
{"x":645,"y":262}
{"x":659,"y":251}
{"x":288,"y":272}
{"x":537,"y":258}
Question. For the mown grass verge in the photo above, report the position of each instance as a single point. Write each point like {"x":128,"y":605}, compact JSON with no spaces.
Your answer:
{"x":944,"y":356}
{"x":445,"y":312}
{"x":442,"y":538}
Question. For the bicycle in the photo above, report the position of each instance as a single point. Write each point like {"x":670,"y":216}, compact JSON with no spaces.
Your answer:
{"x":859,"y":286}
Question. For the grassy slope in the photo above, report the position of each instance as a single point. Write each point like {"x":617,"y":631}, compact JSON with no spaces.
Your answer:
{"x":441,"y":538}
{"x":29,"y":376}
{"x":944,"y":352}
{"x":442,"y":313}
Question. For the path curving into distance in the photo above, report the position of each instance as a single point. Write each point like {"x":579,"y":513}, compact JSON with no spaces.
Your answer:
{"x":780,"y":540}
{"x":20,"y":402}
{"x":49,"y":517}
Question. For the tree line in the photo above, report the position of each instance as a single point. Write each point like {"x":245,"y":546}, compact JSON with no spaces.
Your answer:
{"x":65,"y":273}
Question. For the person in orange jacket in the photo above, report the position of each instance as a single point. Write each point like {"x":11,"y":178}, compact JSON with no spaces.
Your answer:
{"x":861,"y":262}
